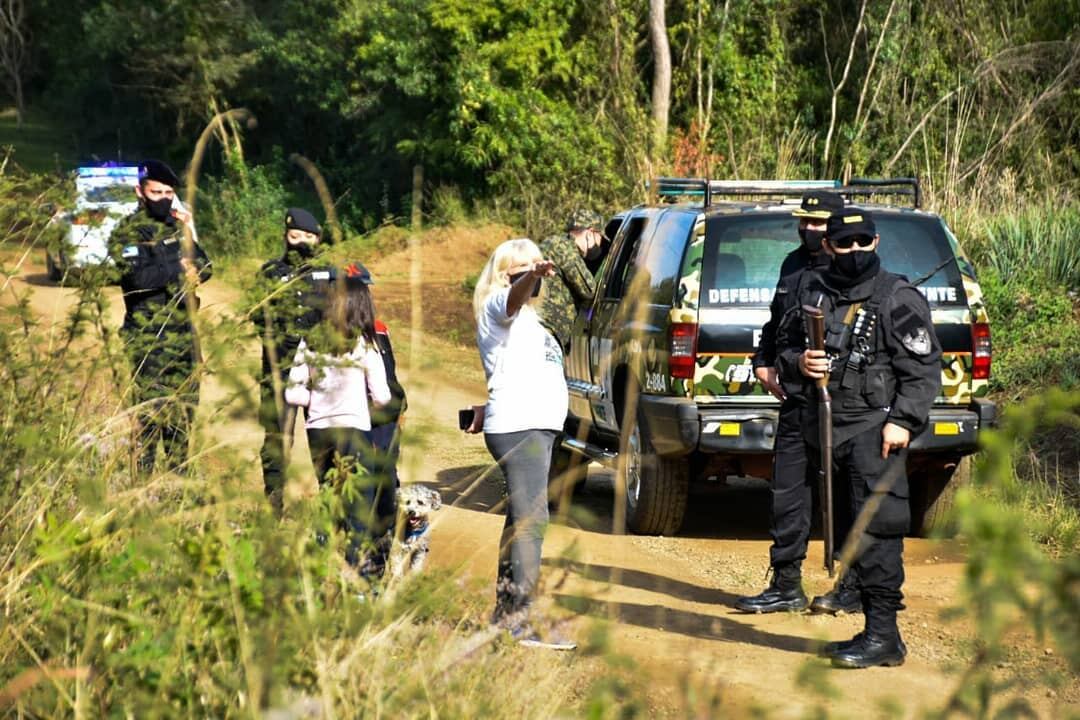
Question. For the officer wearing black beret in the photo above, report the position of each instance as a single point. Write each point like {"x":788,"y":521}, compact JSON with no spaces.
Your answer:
{"x":290,"y":297}
{"x":790,"y":486}
{"x":147,"y":251}
{"x":883,"y":363}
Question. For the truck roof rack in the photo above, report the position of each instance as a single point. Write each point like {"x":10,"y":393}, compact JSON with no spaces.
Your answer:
{"x":669,"y":187}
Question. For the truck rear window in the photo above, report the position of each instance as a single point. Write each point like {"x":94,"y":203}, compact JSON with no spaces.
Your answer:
{"x":743,"y":254}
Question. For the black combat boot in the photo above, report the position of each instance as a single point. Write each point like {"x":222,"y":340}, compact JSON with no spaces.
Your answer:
{"x":878,"y":644}
{"x":868,"y":650}
{"x":832,"y":648}
{"x":784,"y":593}
{"x":844,"y":597}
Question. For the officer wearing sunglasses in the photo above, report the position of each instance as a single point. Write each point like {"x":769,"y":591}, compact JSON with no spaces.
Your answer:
{"x":883,"y":362}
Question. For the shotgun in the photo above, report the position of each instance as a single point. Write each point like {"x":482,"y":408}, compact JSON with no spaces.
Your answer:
{"x":815,"y":331}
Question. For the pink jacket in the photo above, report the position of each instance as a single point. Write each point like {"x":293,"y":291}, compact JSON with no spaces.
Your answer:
{"x":335,"y":388}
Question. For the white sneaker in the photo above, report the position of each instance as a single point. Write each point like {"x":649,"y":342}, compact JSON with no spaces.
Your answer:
{"x":527,"y":637}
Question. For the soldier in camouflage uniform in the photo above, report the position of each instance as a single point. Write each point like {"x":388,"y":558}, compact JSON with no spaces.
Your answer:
{"x":147,"y":251}
{"x":573,"y":285}
{"x":293,"y":290}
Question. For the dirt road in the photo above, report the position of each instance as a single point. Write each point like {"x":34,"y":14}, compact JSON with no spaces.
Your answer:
{"x":668,"y":600}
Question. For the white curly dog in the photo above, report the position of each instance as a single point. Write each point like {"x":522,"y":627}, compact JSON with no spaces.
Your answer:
{"x":416,"y":503}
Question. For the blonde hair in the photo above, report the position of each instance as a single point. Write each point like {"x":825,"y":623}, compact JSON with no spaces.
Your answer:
{"x":494,"y":276}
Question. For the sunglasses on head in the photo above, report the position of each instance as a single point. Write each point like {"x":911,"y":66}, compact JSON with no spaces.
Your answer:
{"x":846,"y":242}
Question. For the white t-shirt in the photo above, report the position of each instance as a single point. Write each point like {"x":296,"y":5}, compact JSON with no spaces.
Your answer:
{"x":335,"y":389}
{"x":524,"y":368}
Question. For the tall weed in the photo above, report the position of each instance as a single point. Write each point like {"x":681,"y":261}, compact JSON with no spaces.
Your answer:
{"x":1013,"y":579}
{"x":1036,"y":330}
{"x":163,"y":596}
{"x":1036,"y":242}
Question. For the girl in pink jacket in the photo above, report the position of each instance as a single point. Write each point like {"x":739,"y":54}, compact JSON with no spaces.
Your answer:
{"x":336,"y":371}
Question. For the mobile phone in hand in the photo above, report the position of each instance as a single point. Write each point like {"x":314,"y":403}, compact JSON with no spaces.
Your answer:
{"x":465,"y":418}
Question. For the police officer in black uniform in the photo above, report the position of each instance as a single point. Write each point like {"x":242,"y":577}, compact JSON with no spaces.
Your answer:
{"x":295,"y":288}
{"x":883,"y":361}
{"x":147,"y":251}
{"x":789,"y":521}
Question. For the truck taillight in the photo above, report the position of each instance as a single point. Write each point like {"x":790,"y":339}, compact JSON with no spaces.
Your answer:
{"x":683,"y":347}
{"x":980,"y":341}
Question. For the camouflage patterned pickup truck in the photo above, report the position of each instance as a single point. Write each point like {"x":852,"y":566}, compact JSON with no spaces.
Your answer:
{"x":658,"y":368}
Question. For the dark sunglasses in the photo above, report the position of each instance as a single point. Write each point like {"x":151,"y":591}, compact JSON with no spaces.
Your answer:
{"x":846,"y":242}
{"x":517,"y":276}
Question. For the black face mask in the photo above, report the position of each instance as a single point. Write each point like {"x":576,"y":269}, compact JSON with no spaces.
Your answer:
{"x":854,"y":267}
{"x":304,"y":251}
{"x":517,"y":276}
{"x":811,"y":239}
{"x":160,"y":210}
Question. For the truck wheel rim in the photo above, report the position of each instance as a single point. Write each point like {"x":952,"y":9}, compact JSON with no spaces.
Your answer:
{"x":633,"y":467}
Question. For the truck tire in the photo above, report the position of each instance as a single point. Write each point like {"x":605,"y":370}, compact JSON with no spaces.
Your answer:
{"x":656,"y":487}
{"x":565,"y":477}
{"x":933,"y":491}
{"x":52,"y":268}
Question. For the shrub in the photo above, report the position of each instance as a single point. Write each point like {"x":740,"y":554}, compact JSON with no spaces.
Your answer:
{"x":1037,"y":241}
{"x":1036,"y":330}
{"x":241,"y":213}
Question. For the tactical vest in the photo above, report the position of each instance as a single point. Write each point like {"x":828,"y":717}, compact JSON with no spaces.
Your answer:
{"x":861,"y":376}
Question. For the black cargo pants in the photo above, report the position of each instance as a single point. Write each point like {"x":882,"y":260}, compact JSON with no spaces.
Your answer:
{"x":789,"y":521}
{"x":880,"y":486}
{"x":165,"y":391}
{"x":272,"y":416}
{"x":792,"y":488}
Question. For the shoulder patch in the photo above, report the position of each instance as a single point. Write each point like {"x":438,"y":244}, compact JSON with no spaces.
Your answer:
{"x":917,"y":341}
{"x":130,"y":251}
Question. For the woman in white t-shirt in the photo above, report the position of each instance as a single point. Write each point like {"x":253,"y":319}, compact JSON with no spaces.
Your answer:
{"x":525,"y":412}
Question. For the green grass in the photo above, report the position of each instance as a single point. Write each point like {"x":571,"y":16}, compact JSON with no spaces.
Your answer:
{"x":39,"y":145}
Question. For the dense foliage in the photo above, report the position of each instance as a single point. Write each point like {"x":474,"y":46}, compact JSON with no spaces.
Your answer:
{"x":538,"y":104}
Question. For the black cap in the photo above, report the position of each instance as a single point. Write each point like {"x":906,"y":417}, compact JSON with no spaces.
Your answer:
{"x":819,"y":205}
{"x":159,"y":172}
{"x":850,"y":222}
{"x":300,"y":219}
{"x":355,"y":272}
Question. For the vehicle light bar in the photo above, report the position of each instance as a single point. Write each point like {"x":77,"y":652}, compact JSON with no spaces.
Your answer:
{"x":667,"y":187}
{"x":126,"y":171}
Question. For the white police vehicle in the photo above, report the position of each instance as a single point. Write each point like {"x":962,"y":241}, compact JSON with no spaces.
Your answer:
{"x":104,"y":195}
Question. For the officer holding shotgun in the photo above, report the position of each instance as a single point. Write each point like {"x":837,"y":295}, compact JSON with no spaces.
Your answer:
{"x":881,"y":359}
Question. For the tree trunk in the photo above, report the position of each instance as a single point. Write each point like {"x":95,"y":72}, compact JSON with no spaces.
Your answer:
{"x":416,"y":270}
{"x":20,"y":101}
{"x":14,"y":39}
{"x":661,"y":88}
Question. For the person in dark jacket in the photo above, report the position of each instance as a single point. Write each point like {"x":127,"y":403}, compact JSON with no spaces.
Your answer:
{"x":156,"y":274}
{"x":292,"y":294}
{"x":789,"y":521}
{"x":883,"y":363}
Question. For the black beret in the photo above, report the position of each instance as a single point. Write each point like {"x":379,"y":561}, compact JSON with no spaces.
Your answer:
{"x":300,"y":219}
{"x":159,"y":172}
{"x":850,"y":222}
{"x":819,"y":205}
